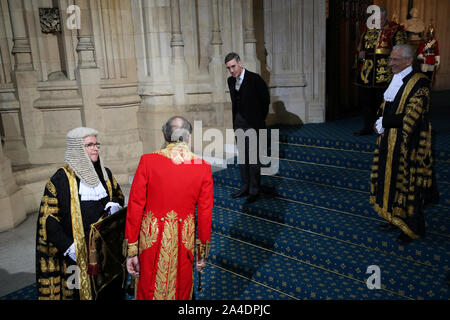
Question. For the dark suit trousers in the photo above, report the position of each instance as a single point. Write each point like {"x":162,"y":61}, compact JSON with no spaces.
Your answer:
{"x":250,"y":171}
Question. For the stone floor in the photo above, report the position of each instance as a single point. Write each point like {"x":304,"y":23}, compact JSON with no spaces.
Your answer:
{"x":17,"y":256}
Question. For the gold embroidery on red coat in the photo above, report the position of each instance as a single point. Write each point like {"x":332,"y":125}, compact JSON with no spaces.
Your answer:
{"x":188,"y":233}
{"x":166,"y":275}
{"x":178,"y":152}
{"x":149,"y":232}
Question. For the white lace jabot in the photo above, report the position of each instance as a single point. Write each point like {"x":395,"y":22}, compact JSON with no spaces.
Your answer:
{"x":396,"y":84}
{"x":91,"y":193}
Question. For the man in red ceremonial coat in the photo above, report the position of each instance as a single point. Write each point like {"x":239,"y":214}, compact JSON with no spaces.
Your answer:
{"x":374,"y":73}
{"x":161,"y":221}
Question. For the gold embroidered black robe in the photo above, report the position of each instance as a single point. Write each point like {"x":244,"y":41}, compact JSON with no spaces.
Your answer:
{"x":402,"y":178}
{"x":374,"y":71}
{"x":60,"y":223}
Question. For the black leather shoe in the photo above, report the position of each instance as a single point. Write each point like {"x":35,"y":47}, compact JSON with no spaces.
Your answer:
{"x":387,"y":227}
{"x":239,"y":194}
{"x":251,"y":198}
{"x":404,"y":239}
{"x":364,"y":132}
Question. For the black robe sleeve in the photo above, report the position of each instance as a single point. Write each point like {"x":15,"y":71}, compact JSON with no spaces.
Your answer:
{"x":58,"y":212}
{"x":393,"y":121}
{"x":117,"y":195}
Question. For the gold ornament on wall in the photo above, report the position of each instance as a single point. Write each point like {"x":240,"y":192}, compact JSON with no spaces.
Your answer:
{"x":50,"y":20}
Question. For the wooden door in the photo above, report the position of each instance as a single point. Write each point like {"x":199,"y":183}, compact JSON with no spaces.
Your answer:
{"x":345,"y":21}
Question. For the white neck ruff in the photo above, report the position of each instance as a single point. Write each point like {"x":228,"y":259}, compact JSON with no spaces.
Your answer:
{"x":396,"y":84}
{"x":88,"y":193}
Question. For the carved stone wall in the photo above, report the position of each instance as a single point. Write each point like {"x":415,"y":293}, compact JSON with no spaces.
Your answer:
{"x":126,"y":66}
{"x":52,"y":81}
{"x":295,"y":34}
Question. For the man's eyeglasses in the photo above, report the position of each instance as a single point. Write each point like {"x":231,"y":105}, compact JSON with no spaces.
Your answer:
{"x":91,"y":146}
{"x":395,"y":59}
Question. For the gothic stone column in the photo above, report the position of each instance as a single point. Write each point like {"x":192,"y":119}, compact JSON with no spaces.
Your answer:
{"x":12,"y":207}
{"x":251,"y":60}
{"x":24,"y":77}
{"x":88,"y":74}
{"x":179,"y":69}
{"x":216,"y":63}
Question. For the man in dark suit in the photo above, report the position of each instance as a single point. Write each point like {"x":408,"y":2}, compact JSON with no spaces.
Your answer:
{"x":250,"y":104}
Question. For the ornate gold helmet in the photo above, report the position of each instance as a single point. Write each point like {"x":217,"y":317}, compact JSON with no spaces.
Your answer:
{"x":430,"y":29}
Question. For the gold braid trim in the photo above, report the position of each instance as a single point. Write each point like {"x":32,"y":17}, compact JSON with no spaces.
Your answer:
{"x":149,"y":232}
{"x":110,"y":191}
{"x":203,"y":249}
{"x":382,"y":212}
{"x":388,"y":168}
{"x":178,"y":152}
{"x":393,"y":135}
{"x":50,"y":187}
{"x":188,"y":233}
{"x":166,"y":275}
{"x":78,"y":236}
{"x":409,"y":86}
{"x":132,"y":249}
{"x":49,"y":207}
{"x":116,"y":189}
{"x":401,"y":37}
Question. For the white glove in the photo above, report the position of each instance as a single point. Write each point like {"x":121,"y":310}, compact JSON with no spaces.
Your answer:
{"x":438,"y":60}
{"x":114,"y":207}
{"x":71,"y":252}
{"x":379,"y":125}
{"x":420,"y":57}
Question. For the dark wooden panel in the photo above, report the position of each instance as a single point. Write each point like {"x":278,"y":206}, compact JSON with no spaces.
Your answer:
{"x":346,"y":19}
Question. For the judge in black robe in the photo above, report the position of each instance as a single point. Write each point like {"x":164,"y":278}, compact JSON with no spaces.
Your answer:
{"x":402,"y":178}
{"x":64,"y":219}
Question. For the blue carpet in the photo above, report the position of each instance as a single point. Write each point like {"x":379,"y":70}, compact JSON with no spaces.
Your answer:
{"x":318,"y":236}
{"x":316,"y":239}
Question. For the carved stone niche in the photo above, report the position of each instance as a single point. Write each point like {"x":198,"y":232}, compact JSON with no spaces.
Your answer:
{"x":50,"y":20}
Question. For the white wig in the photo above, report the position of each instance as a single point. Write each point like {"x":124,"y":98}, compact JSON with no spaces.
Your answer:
{"x":77,"y":158}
